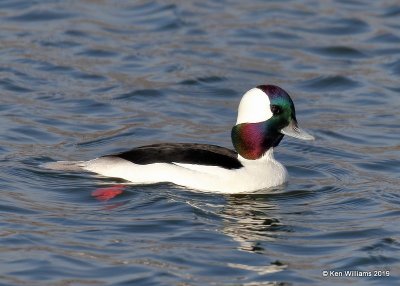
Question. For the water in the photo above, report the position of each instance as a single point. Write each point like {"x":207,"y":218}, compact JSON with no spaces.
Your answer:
{"x":79,"y":79}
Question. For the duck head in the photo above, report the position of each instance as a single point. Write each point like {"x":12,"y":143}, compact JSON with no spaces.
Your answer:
{"x":266,"y":113}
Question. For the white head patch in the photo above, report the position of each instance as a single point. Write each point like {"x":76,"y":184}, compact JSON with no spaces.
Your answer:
{"x":254,"y":107}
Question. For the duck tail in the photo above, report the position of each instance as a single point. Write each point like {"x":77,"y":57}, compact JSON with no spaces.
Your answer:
{"x":64,"y":165}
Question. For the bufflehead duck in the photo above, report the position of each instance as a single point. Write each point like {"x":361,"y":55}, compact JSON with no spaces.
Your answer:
{"x":266,"y":113}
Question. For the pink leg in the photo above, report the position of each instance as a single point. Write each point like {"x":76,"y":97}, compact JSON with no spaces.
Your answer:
{"x":105,"y":194}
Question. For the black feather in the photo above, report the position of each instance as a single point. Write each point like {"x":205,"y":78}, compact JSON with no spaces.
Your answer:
{"x":186,"y":153}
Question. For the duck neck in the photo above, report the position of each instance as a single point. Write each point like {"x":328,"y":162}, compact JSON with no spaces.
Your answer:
{"x":253,"y":140}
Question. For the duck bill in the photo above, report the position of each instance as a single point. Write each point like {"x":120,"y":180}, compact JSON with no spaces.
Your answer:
{"x":294,"y":131}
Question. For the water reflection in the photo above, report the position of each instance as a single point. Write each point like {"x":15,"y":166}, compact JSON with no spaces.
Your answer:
{"x":251,"y":221}
{"x":248,"y":220}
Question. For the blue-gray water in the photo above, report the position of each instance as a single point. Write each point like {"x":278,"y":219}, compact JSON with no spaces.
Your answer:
{"x":79,"y":79}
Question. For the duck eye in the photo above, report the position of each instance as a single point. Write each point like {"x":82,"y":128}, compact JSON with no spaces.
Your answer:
{"x":275,"y":109}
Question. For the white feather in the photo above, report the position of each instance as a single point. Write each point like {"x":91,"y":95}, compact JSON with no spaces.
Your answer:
{"x":254,"y":107}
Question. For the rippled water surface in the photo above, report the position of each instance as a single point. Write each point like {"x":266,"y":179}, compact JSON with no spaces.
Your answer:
{"x":79,"y":79}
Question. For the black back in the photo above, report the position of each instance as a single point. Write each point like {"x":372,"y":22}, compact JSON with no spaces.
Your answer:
{"x":187,"y":153}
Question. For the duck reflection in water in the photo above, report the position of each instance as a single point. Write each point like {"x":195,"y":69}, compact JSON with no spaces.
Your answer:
{"x":248,"y":221}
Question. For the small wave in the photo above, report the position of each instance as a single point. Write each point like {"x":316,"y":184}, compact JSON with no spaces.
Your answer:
{"x":329,"y":83}
{"x":339,"y":52}
{"x":41,"y":15}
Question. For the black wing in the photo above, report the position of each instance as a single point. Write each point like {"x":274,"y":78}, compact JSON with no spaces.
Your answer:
{"x":188,"y":153}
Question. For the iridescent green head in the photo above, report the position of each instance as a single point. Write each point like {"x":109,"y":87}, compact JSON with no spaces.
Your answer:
{"x":266,"y":113}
